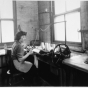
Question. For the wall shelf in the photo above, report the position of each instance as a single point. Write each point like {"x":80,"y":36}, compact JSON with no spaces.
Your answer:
{"x":84,"y":31}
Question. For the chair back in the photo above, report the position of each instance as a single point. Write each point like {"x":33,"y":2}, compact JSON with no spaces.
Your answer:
{"x":11,"y":66}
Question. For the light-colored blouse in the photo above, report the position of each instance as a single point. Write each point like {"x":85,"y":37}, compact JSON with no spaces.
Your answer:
{"x":18,"y":52}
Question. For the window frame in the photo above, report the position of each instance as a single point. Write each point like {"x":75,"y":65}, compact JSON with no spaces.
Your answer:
{"x":52,"y":27}
{"x":14,"y":19}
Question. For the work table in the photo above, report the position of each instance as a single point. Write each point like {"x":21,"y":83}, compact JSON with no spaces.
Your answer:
{"x":72,"y":72}
{"x":2,"y":52}
{"x":77,"y":62}
{"x":69,"y":70}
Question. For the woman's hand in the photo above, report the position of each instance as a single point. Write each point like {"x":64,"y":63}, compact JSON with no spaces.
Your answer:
{"x":30,"y":52}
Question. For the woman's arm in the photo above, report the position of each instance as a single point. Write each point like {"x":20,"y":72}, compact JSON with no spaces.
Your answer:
{"x":25,"y":56}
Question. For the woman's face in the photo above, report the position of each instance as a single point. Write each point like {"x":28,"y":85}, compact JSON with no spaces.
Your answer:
{"x":23,"y":38}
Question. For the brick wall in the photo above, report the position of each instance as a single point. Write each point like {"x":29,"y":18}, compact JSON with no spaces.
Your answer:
{"x":27,"y":18}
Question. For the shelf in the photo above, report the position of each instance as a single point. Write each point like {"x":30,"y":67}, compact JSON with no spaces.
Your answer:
{"x":83,"y":31}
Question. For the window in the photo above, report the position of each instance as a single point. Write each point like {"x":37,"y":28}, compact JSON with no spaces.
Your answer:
{"x":7,"y":21}
{"x":73,"y":27}
{"x":67,"y":21}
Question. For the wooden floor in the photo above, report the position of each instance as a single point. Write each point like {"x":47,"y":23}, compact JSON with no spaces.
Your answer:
{"x":38,"y":82}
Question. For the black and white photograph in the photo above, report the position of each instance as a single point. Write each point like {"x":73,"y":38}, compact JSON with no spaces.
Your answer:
{"x":43,"y":43}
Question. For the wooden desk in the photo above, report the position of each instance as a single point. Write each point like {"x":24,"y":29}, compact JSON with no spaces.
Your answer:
{"x":77,"y":62}
{"x":74,"y":72}
{"x":49,"y":71}
{"x":46,"y":59}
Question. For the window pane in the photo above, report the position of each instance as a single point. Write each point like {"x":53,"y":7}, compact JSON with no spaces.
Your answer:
{"x":59,"y":6}
{"x":72,"y":4}
{"x":6,"y":9}
{"x":0,"y":35}
{"x":59,"y":31}
{"x":73,"y":26}
{"x":59,"y":18}
{"x":7,"y":31}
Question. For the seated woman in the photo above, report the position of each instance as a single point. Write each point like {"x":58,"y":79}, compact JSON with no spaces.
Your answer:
{"x":19,"y":59}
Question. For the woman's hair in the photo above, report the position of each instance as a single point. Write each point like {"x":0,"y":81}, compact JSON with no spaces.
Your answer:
{"x":19,"y":34}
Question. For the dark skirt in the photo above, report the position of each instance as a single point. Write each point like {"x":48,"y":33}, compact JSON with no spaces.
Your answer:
{"x":30,"y":58}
